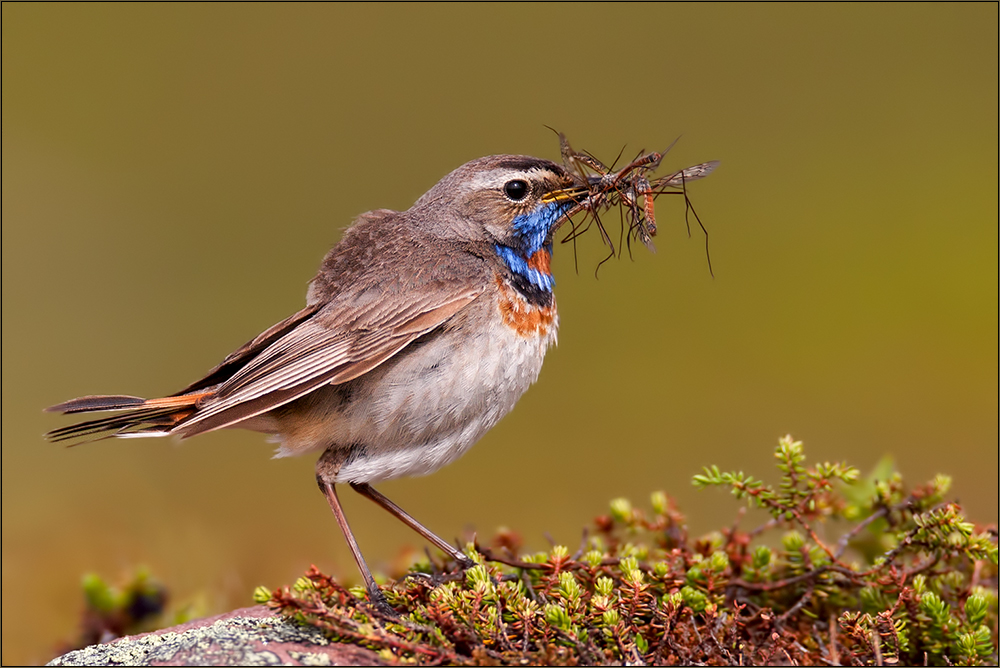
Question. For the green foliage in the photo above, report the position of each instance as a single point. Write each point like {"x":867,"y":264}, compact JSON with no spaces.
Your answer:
{"x":906,"y":579}
{"x":801,"y":489}
{"x":136,"y":606}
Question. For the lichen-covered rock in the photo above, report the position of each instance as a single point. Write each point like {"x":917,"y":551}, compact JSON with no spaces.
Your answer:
{"x":246,"y":637}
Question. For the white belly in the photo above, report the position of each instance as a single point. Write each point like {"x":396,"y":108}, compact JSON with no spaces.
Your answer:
{"x":428,"y":405}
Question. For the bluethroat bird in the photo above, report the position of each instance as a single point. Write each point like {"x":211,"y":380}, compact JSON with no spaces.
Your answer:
{"x":420,"y":331}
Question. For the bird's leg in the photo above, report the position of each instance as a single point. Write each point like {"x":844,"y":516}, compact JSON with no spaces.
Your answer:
{"x":375,"y":594}
{"x":367,"y":490}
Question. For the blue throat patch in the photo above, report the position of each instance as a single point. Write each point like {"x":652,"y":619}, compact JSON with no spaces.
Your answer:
{"x":532,"y":229}
{"x":519,"y":265}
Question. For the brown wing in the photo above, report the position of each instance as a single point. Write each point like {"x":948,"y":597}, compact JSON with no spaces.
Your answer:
{"x":276,"y":369}
{"x":246,"y":352}
{"x":383,"y":286}
{"x":317,"y":352}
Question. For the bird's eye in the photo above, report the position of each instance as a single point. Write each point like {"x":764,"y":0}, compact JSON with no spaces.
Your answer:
{"x":516,"y":190}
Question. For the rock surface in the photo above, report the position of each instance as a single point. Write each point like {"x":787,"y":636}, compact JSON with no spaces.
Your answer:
{"x":246,"y":637}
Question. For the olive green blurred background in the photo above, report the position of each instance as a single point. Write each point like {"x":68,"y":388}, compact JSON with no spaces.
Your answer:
{"x":173,"y":174}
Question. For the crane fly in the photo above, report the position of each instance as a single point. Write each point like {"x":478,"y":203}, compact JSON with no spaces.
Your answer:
{"x":597,"y":187}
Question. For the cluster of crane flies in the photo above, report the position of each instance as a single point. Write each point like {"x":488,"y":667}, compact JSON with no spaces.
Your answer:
{"x":598,"y":187}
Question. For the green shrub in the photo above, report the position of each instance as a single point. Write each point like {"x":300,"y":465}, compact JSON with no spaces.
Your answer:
{"x":908,"y":581}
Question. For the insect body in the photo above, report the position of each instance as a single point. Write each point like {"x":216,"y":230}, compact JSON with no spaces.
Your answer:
{"x":598,"y":188}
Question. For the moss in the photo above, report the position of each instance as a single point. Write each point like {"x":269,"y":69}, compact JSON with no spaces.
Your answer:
{"x":908,"y":581}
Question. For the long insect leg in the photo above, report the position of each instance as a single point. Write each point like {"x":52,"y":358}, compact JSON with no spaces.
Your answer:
{"x":688,"y":206}
{"x":617,"y":158}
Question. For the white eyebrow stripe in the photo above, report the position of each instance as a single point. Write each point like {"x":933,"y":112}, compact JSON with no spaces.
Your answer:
{"x":495,"y":178}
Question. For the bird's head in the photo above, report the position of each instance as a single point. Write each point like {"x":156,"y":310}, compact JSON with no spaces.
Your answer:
{"x":511,"y":204}
{"x":515,"y":201}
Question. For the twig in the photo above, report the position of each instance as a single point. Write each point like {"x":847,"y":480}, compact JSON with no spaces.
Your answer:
{"x":834,"y":655}
{"x":846,"y":538}
{"x":877,"y":647}
{"x":798,"y":605}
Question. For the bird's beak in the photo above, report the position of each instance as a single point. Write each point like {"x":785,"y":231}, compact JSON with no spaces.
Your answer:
{"x":571,"y":194}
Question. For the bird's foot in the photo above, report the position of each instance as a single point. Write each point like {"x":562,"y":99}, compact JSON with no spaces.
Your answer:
{"x":464,"y":563}
{"x":377,"y":600}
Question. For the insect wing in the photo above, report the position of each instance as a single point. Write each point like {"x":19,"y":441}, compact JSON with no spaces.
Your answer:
{"x":678,"y":179}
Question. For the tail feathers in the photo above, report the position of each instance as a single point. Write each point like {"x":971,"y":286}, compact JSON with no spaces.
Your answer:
{"x":101,"y":402}
{"x":143,"y":417}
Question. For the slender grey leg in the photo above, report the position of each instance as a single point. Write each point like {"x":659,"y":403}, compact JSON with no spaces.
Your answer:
{"x":367,"y":490}
{"x":375,"y":594}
